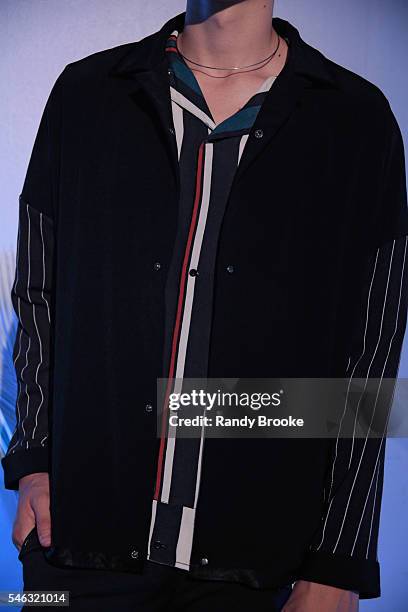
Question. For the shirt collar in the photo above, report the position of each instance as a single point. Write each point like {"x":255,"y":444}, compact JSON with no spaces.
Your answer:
{"x":148,"y":53}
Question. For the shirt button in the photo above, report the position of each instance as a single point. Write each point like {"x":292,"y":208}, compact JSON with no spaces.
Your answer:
{"x":193,"y":272}
{"x":157,"y":265}
{"x":134,"y":554}
{"x":148,"y":407}
{"x":204,"y":561}
{"x":230,"y":269}
{"x":258,"y":133}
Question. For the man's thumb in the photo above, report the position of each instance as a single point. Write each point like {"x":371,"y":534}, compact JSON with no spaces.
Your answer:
{"x":44,"y":532}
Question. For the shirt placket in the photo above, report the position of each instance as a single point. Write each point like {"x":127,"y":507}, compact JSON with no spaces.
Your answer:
{"x":202,"y":210}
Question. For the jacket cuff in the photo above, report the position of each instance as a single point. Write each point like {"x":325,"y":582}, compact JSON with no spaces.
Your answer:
{"x":24,"y":462}
{"x":343,"y":572}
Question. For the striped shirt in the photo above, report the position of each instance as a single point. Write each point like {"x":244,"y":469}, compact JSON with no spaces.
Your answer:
{"x":209,"y":154}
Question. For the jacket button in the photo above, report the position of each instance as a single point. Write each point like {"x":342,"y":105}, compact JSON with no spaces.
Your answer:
{"x":204,"y":561}
{"x":171,"y":130}
{"x":258,"y":133}
{"x":157,"y":265}
{"x":148,"y":407}
{"x":230,"y":269}
{"x":193,"y":272}
{"x":134,"y":554}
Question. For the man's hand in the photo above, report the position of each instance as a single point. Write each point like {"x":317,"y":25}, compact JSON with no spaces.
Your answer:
{"x":33,"y":509}
{"x":311,"y":596}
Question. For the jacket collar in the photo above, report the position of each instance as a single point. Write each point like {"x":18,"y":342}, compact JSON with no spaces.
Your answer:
{"x":144,"y":68}
{"x":148,"y":53}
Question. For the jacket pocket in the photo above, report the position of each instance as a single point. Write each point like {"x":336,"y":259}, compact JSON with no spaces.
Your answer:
{"x":30,"y":542}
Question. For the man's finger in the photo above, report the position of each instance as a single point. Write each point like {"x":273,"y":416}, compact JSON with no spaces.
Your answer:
{"x":41,"y":509}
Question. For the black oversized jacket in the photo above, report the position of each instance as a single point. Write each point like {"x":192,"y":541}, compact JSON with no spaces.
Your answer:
{"x":315,"y":230}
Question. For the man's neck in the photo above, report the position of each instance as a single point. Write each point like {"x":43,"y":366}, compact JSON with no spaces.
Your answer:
{"x":228,"y":33}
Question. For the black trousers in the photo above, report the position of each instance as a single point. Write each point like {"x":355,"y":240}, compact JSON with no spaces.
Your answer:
{"x":159,"y":588}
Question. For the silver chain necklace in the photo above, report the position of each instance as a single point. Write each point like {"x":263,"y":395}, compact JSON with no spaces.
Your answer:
{"x":263,"y":62}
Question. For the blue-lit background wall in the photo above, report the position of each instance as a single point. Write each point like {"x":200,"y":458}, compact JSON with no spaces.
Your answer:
{"x":39,"y":37}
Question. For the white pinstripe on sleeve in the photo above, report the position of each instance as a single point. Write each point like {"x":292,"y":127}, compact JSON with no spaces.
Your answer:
{"x":351,"y":521}
{"x":31,"y":294}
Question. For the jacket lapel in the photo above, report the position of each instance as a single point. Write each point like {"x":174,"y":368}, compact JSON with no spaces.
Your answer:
{"x":144,"y":67}
{"x":305,"y":68}
{"x":154,"y":84}
{"x":276,"y":109}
